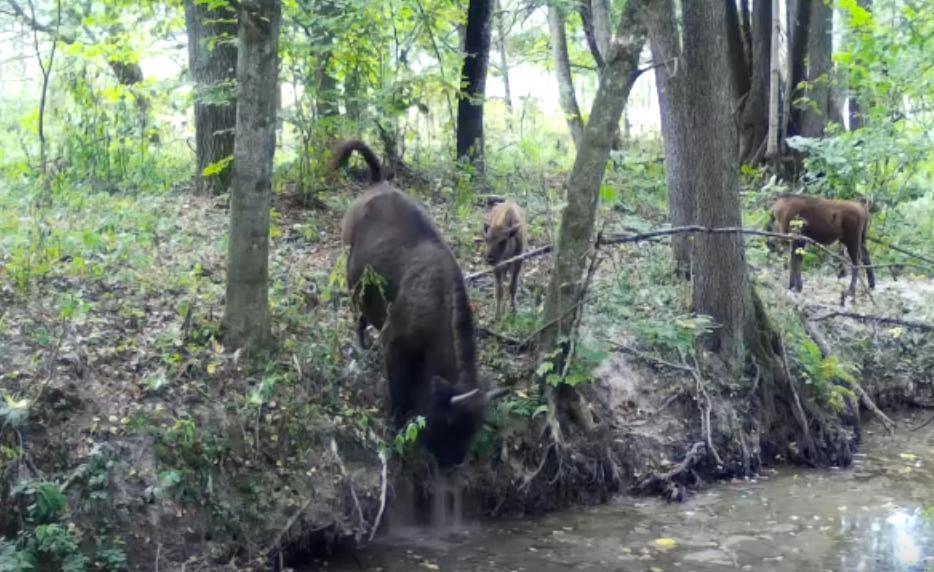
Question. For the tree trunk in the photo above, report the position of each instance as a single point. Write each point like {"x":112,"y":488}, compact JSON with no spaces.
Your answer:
{"x":575,"y":234}
{"x":559,"y":50}
{"x":755,"y":115}
{"x":212,"y":59}
{"x":503,"y":60}
{"x":586,"y":14}
{"x":815,"y":115}
{"x":666,"y":54}
{"x":739,"y":71}
{"x":327,"y":105}
{"x":473,"y":79}
{"x":721,"y":286}
{"x":772,"y":149}
{"x":246,"y":311}
{"x":600,"y":12}
{"x":354,"y":96}
{"x":855,"y":117}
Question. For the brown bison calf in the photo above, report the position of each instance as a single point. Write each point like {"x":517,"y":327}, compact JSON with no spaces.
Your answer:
{"x":408,"y":285}
{"x":825,"y":221}
{"x":504,"y":233}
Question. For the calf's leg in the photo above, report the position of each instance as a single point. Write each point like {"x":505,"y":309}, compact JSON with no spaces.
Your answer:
{"x":794,"y":281}
{"x":498,"y":275}
{"x":514,"y":284}
{"x":870,"y":274}
{"x":852,"y":249}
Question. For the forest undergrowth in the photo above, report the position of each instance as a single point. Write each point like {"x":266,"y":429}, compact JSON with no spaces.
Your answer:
{"x":142,"y":437}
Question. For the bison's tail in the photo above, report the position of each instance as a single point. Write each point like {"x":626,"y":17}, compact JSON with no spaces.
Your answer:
{"x":465,"y":345}
{"x":342,"y":151}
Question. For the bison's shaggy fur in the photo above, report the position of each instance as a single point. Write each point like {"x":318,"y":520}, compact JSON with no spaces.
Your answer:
{"x":408,"y":285}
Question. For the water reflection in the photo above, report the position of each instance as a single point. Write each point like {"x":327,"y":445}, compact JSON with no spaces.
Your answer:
{"x":866,"y":518}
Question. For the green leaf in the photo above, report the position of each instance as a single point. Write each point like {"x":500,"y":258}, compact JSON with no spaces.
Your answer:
{"x":217,"y":167}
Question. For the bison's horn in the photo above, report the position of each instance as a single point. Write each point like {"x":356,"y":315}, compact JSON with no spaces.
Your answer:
{"x":464,"y":396}
{"x":496,"y":393}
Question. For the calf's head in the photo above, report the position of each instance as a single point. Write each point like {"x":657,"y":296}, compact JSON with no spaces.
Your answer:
{"x":497,"y":238}
{"x":454,"y":419}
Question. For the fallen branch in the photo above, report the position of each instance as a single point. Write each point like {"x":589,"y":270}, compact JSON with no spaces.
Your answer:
{"x":899,"y":249}
{"x":614,"y":239}
{"x":646,"y":356}
{"x":506,"y":340}
{"x":506,"y":263}
{"x":868,"y":318}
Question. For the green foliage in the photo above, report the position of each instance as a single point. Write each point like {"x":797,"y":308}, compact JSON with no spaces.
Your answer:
{"x":46,"y":538}
{"x":405,"y":438}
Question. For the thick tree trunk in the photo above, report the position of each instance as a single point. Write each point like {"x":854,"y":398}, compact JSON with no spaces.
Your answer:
{"x":721,"y":286}
{"x":666,"y":55}
{"x":575,"y":234}
{"x":246,"y":311}
{"x":815,"y":115}
{"x":567,"y":97}
{"x":755,"y":116}
{"x":473,"y":78}
{"x":503,"y":59}
{"x":739,"y":70}
{"x":212,"y":59}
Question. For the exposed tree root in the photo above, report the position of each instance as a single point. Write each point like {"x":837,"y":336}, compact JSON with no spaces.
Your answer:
{"x":671,"y":483}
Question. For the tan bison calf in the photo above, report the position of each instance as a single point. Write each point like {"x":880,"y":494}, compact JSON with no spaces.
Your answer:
{"x":408,"y":285}
{"x":826,"y":221}
{"x":504,"y":233}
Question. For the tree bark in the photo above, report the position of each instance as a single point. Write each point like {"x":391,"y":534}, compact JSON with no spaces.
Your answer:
{"x":666,"y":56}
{"x":600,"y":12}
{"x":819,"y":111}
{"x":739,"y":71}
{"x":327,"y":105}
{"x":586,"y":14}
{"x":473,"y":78}
{"x":721,"y":286}
{"x":755,"y":115}
{"x":246,"y":311}
{"x":567,"y":97}
{"x":212,"y":59}
{"x":577,"y":219}
{"x":503,"y":59}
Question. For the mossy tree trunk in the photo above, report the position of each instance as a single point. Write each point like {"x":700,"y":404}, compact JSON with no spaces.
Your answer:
{"x":575,"y":235}
{"x":246,"y":311}
{"x":212,"y":60}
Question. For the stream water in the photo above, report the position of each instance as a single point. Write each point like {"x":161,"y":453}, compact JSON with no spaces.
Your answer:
{"x":867,"y":517}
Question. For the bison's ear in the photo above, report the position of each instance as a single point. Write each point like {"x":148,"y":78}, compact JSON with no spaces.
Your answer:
{"x":486,"y":229}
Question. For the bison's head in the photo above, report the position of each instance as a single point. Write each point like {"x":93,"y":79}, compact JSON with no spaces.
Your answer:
{"x":497,"y":239}
{"x":455,"y":417}
{"x":774,"y":245}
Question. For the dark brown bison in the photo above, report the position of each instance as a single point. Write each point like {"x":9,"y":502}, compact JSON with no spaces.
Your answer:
{"x":504,"y":234}
{"x":407,"y":284}
{"x":825,"y":221}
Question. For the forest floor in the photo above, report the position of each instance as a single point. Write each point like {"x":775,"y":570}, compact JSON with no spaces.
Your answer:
{"x":172,"y":448}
